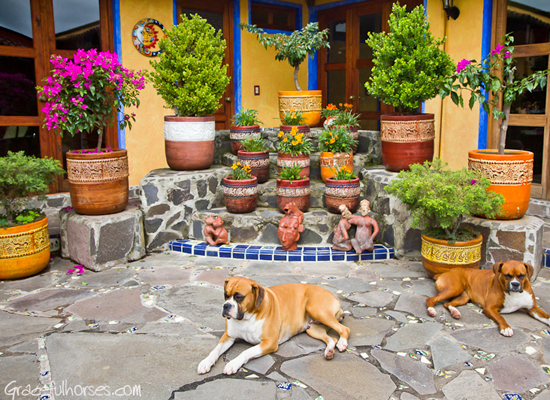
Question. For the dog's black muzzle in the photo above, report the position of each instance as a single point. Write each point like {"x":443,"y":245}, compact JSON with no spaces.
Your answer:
{"x":515,"y":287}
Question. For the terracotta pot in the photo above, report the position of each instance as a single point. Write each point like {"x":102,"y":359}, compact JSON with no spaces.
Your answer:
{"x":304,"y":129}
{"x":332,"y":161}
{"x":289,"y":160}
{"x":406,"y":140}
{"x":309,"y":102}
{"x":189,"y":142}
{"x":259,"y":163}
{"x":296,"y":192}
{"x":241,"y":196}
{"x":511,"y":175}
{"x":339,"y":192}
{"x":98,"y":182}
{"x":238,"y":134}
{"x":24,"y":249}
{"x":439,"y":256}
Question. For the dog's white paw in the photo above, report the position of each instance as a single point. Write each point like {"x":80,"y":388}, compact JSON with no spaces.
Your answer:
{"x":329,"y":351}
{"x":454,"y":312}
{"x":342,"y":344}
{"x":205,"y":365}
{"x":232,"y":367}
{"x":507,"y":332}
{"x":431,"y":311}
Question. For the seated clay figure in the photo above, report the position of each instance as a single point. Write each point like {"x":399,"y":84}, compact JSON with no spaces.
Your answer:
{"x":290,"y":227}
{"x":214,"y":232}
{"x":367,"y":229}
{"x":341,"y":238}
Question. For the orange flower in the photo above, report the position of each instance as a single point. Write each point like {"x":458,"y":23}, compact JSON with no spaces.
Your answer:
{"x":340,"y":104}
{"x":285,"y":140}
{"x":281,"y":133}
{"x":331,"y":107}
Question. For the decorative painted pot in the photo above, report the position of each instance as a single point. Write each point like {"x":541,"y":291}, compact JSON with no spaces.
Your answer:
{"x":304,"y":129}
{"x":289,"y":160}
{"x":24,"y":249}
{"x":258,"y":161}
{"x":406,"y":140}
{"x":511,"y":175}
{"x":309,"y":102}
{"x":439,"y":256}
{"x":189,"y":142}
{"x":339,"y":192}
{"x":296,"y":192}
{"x":98,"y":181}
{"x":238,"y":134}
{"x":241,"y":196}
{"x":333,"y":161}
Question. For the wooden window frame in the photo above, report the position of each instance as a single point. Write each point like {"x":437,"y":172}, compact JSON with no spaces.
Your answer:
{"x":290,"y":12}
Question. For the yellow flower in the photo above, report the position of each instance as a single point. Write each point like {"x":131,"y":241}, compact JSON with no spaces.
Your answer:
{"x":250,"y":139}
{"x":299,"y":136}
{"x":326,"y":142}
{"x":298,"y":141}
{"x":294,"y":142}
{"x":292,"y":110}
{"x":335,"y":137}
{"x":234,"y":166}
{"x":285,"y":140}
{"x":238,"y":164}
{"x":281,"y":133}
{"x":332,"y":140}
{"x":330,"y":133}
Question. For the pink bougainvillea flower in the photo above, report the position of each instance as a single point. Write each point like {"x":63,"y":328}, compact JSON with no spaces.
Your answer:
{"x":462,"y":64}
{"x":497,"y":50}
{"x":472,"y":182}
{"x":507,"y":54}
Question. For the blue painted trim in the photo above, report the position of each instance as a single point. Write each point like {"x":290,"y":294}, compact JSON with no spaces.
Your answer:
{"x":237,"y":82}
{"x":485,"y":49}
{"x":279,"y":3}
{"x":175,"y":11}
{"x":118,"y":51}
{"x":312,"y":78}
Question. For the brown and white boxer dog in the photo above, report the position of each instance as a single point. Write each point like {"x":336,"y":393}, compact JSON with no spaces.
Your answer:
{"x":269,"y":316}
{"x":502,"y":290}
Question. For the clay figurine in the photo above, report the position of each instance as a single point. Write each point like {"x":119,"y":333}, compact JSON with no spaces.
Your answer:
{"x":367,"y":229}
{"x":290,"y":227}
{"x":214,"y":232}
{"x":341,"y":238}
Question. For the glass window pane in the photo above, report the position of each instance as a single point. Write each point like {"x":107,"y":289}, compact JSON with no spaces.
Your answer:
{"x":336,"y":87}
{"x":367,"y":102}
{"x":17,"y":138}
{"x":530,"y":102}
{"x":16,"y":23}
{"x":337,"y":40}
{"x":17,"y":86}
{"x":368,"y":23}
{"x":259,"y":15}
{"x":77,"y":24}
{"x":531,"y":139}
{"x":529,"y":21}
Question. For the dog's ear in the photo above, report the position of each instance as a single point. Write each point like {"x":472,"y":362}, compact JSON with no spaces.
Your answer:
{"x":259,"y":293}
{"x":225,"y":284}
{"x":497,"y":267}
{"x":530,"y":270}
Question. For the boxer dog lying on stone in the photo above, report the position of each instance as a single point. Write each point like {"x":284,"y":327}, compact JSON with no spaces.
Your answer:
{"x":501,"y":290}
{"x":269,"y":316}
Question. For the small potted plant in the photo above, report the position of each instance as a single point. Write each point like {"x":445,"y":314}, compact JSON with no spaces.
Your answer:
{"x":24,"y":238}
{"x":342,"y":188}
{"x":293,"y":118}
{"x":439,"y":199}
{"x":191,"y":77}
{"x":409,"y":68}
{"x":240,"y":190}
{"x":510,"y":171}
{"x":329,"y":113}
{"x":295,"y":48}
{"x":294,"y":149}
{"x":255,"y":155}
{"x":336,"y":147}
{"x":347,"y":120}
{"x":245,"y":126}
{"x":292,"y":187}
{"x":82,"y":95}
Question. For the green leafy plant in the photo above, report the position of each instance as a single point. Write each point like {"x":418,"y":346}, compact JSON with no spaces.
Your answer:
{"x":241,"y":172}
{"x":439,"y":198}
{"x":336,"y":140}
{"x":190,"y":75}
{"x":495,"y":74}
{"x":292,"y":117}
{"x":294,"y":143}
{"x":246,"y":117}
{"x":409,"y":66}
{"x":291,"y":173}
{"x":254,"y":144}
{"x":23,"y":176}
{"x":343,"y":173}
{"x":346,"y":118}
{"x":295,"y":47}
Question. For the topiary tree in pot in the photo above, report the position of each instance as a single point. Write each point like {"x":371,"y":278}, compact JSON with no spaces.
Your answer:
{"x":191,"y":78}
{"x":409,"y":68}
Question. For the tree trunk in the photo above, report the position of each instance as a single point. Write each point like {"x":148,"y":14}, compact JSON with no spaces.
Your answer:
{"x":503,"y":129}
{"x":99,"y":140}
{"x":296,"y":69}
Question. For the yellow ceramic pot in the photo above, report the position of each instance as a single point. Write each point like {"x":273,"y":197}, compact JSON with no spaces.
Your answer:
{"x":309,"y":102}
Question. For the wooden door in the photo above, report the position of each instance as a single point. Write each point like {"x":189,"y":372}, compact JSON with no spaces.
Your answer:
{"x":220,"y":15}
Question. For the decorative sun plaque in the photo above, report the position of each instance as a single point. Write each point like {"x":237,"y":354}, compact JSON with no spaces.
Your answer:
{"x":146,"y":36}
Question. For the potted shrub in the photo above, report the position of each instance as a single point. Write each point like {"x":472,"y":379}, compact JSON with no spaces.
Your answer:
{"x":510,"y":171}
{"x":245,"y":126}
{"x":24,"y":238}
{"x":191,"y":78}
{"x":293,"y":149}
{"x":240,"y":190}
{"x":335,"y":146}
{"x":293,"y":118}
{"x":347,"y":120}
{"x":439,"y":199}
{"x":295,"y":48}
{"x":409,"y":68}
{"x":292,"y":187}
{"x":342,"y":188}
{"x":83,"y":95}
{"x":255,"y":155}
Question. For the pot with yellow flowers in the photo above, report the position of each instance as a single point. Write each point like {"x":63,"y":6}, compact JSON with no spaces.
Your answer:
{"x":294,"y":118}
{"x":245,"y":125}
{"x":240,"y":190}
{"x":293,"y":187}
{"x":336,"y":147}
{"x":342,"y":188}
{"x":294,"y":149}
{"x":255,"y":155}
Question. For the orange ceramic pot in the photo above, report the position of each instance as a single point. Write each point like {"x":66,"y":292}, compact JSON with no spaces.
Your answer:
{"x":24,"y":249}
{"x":330,"y":162}
{"x":511,"y":175}
{"x":438,"y":256}
{"x":309,"y":102}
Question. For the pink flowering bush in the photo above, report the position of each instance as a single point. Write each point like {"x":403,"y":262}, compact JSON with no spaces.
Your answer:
{"x":84,"y":94}
{"x":495,"y":76}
